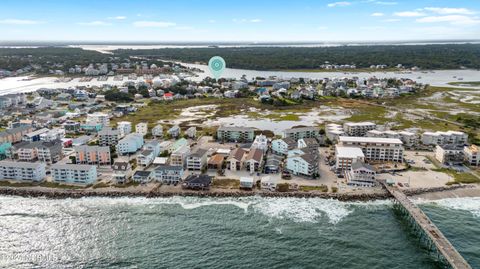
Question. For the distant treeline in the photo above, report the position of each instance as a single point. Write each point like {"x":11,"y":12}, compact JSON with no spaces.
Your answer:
{"x":15,"y":58}
{"x":451,"y":56}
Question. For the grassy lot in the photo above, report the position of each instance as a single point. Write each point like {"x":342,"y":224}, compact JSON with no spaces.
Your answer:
{"x":363,"y":110}
{"x":41,"y":184}
{"x":322,"y":188}
{"x":468,"y":83}
{"x":126,"y":185}
{"x":342,"y":70}
{"x":100,"y":185}
{"x":459,"y":177}
{"x":155,"y":111}
{"x":226,"y":183}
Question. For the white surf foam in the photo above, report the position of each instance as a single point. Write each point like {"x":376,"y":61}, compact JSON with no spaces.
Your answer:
{"x":470,"y":204}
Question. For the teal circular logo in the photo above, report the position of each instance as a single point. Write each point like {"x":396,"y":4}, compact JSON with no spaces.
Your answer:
{"x":216,"y":65}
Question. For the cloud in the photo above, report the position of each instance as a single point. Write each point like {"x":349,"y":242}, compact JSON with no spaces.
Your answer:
{"x":94,"y":23}
{"x":247,"y":20}
{"x":391,"y":20}
{"x":184,"y":28}
{"x":158,"y":24}
{"x":452,"y":19}
{"x":20,"y":22}
{"x":339,"y":4}
{"x":377,"y":14}
{"x":409,"y":14}
{"x":386,"y":3}
{"x":212,"y":21}
{"x":117,"y":18}
{"x":448,"y":10}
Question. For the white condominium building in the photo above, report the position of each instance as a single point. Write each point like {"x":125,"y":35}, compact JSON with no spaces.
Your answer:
{"x":141,"y":128}
{"x":302,"y":132}
{"x":260,"y":142}
{"x":346,"y":156}
{"x":101,"y":118}
{"x":74,"y":173}
{"x":108,"y":137}
{"x":472,"y":155}
{"x":358,"y":128}
{"x":22,"y":171}
{"x":124,"y":127}
{"x":333,"y":131}
{"x":376,"y":149}
{"x":444,"y":138}
{"x":130,"y":144}
{"x":157,"y":131}
{"x":409,"y":139}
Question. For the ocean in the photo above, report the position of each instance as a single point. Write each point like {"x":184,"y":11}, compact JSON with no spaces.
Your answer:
{"x":251,"y":232}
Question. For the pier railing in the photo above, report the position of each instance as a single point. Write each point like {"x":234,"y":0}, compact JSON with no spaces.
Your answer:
{"x":433,"y":237}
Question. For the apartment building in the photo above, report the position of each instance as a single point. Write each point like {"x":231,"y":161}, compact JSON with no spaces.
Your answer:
{"x":15,"y":135}
{"x":235,"y":134}
{"x":197,"y":159}
{"x":174,"y":131}
{"x":409,"y":139}
{"x":374,"y":148}
{"x":122,"y":172}
{"x":22,"y":171}
{"x":444,"y":138}
{"x":168,"y":173}
{"x":179,"y":156}
{"x":302,"y":132}
{"x":334,"y":131}
{"x":49,"y":152}
{"x":108,"y":137}
{"x":131,"y":143}
{"x":34,"y":135}
{"x":157,"y":131}
{"x":254,"y":160}
{"x":236,"y":159}
{"x":361,"y":175}
{"x":141,"y":128}
{"x":124,"y":128}
{"x":301,"y":162}
{"x":71,"y":127}
{"x":260,"y":142}
{"x":93,"y":155}
{"x":145,"y":158}
{"x":358,"y":128}
{"x":191,"y":132}
{"x":100,"y":118}
{"x":282,"y":146}
{"x":74,"y":173}
{"x":472,"y":155}
{"x":449,"y":154}
{"x":346,"y":156}
{"x":53,"y":134}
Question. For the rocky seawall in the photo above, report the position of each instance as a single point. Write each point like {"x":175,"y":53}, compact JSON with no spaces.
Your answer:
{"x":66,"y":193}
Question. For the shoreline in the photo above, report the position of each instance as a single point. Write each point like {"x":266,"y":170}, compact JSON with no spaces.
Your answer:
{"x":424,"y":193}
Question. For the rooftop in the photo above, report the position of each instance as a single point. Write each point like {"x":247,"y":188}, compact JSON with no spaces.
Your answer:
{"x":370,"y":140}
{"x":348,"y":152}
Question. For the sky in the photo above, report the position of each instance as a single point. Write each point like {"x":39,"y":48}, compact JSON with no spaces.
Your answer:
{"x":246,"y":20}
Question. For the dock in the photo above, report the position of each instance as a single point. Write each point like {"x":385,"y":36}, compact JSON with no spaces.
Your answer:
{"x":433,"y":237}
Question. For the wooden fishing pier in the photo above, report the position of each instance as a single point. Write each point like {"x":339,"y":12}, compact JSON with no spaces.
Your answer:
{"x":429,"y":233}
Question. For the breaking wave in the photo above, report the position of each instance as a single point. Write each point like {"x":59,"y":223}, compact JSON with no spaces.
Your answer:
{"x":470,"y":204}
{"x":293,"y":209}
